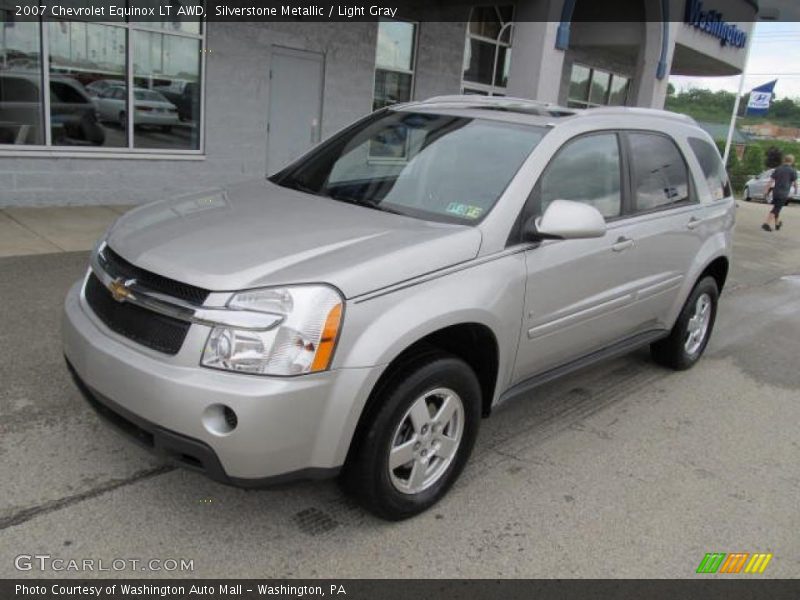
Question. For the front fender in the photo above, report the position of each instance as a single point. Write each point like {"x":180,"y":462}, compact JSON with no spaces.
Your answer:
{"x":378,"y":327}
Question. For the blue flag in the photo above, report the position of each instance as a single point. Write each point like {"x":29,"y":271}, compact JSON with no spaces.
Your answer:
{"x":760,"y":98}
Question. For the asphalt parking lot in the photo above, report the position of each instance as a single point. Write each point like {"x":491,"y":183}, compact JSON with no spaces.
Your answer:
{"x":622,"y":470}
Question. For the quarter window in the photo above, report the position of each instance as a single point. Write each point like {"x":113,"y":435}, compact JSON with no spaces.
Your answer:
{"x":713,"y":169}
{"x":585,"y":170}
{"x":660,"y":176}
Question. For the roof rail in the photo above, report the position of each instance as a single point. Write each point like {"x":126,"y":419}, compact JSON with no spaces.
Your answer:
{"x":635,"y":110}
{"x":478,"y":99}
{"x":506,"y":103}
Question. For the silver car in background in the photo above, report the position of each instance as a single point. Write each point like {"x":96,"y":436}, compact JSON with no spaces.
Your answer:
{"x":360,"y":311}
{"x":150,"y":108}
{"x":759,"y":187}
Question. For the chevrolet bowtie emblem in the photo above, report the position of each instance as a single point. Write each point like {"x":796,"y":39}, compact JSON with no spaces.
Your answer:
{"x":120,"y":290}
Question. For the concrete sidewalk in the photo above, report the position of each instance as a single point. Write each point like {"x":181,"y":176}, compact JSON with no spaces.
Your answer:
{"x":45,"y":230}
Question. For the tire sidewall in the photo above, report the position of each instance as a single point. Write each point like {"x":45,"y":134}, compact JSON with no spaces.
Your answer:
{"x":448,"y":372}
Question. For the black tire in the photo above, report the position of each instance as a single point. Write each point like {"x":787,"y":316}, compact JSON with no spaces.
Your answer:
{"x":366,"y":476}
{"x":672,"y":351}
{"x":166,"y":129}
{"x":747,"y":197}
{"x":122,"y":120}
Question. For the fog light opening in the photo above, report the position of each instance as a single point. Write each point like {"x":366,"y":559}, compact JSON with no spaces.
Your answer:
{"x":220,"y":419}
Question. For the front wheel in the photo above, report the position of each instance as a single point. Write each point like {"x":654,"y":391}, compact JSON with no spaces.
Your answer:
{"x":747,"y":197}
{"x":418,"y":437}
{"x":691,"y":332}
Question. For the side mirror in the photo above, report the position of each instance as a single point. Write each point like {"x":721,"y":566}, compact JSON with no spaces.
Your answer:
{"x":566,"y":220}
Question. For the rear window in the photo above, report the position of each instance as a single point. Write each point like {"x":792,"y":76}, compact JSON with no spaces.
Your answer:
{"x":17,"y":89}
{"x":149,"y":96}
{"x":660,"y":176}
{"x":63,"y":92}
{"x":713,"y":169}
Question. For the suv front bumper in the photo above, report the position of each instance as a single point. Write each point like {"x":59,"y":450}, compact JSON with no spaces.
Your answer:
{"x":288,"y":427}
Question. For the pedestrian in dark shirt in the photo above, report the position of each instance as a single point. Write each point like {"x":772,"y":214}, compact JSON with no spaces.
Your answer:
{"x":783,"y":179}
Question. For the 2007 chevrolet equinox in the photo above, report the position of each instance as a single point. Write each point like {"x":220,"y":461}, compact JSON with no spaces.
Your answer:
{"x":359,"y":312}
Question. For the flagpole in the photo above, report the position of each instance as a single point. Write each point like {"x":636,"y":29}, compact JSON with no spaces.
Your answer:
{"x":738,"y":98}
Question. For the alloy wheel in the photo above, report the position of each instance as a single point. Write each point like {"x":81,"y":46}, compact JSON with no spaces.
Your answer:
{"x":426,"y":441}
{"x":698,"y":324}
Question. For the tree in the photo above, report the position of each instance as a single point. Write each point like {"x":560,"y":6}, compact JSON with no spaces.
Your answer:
{"x":774,"y":157}
{"x":670,"y":89}
{"x":753,"y":162}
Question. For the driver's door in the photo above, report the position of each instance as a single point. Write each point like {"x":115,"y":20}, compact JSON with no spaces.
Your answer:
{"x":577,"y":291}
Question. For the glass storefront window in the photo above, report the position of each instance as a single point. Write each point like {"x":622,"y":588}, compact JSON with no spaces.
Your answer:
{"x":21,"y":107}
{"x":619,"y":90}
{"x":390,"y":88}
{"x":394,"y":63}
{"x":166,"y":94}
{"x":487,"y":50}
{"x":599,"y":88}
{"x":596,"y":87}
{"x":93,"y":102}
{"x":87,"y":60}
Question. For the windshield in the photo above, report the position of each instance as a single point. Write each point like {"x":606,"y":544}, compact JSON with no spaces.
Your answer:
{"x":435,"y":167}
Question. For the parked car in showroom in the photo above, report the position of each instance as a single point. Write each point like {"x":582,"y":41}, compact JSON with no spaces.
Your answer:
{"x":759,"y":187}
{"x":359,"y":312}
{"x":151,"y":109}
{"x":73,"y":118}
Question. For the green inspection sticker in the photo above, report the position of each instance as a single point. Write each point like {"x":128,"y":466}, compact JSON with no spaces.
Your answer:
{"x":464,"y":210}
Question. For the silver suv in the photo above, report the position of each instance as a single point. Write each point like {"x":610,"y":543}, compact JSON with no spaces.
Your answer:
{"x":359,"y":312}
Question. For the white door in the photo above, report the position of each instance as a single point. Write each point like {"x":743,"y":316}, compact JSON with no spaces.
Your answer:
{"x":295,"y":105}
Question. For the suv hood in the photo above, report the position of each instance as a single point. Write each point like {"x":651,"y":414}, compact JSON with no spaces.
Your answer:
{"x":260,"y":234}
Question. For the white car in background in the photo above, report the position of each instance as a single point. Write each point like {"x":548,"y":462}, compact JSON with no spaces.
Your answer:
{"x":150,"y":108}
{"x":759,"y":187}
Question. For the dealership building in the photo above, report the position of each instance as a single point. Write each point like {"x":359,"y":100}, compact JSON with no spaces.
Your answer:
{"x":141,"y":110}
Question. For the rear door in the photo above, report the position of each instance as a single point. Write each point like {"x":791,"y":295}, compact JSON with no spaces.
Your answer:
{"x":666,"y":223}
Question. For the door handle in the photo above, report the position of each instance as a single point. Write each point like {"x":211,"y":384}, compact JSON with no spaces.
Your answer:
{"x":622,"y":243}
{"x":693,"y":223}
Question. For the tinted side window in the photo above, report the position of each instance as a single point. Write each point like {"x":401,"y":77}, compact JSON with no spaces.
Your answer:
{"x":660,"y":177}
{"x":713,"y":169}
{"x":584,"y":170}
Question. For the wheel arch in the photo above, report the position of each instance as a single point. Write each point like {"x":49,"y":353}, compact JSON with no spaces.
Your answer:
{"x":473,"y":342}
{"x":718,"y":269}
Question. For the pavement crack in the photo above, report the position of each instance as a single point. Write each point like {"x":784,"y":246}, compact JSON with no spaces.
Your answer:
{"x":27,"y":514}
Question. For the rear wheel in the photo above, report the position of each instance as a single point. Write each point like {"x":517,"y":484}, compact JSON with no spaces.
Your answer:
{"x":691,"y":332}
{"x":418,"y":438}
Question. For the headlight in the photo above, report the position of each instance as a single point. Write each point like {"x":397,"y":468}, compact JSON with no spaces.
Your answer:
{"x":302,"y":342}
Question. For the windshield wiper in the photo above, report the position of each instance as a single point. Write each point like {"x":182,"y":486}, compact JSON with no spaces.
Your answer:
{"x":366,"y":204}
{"x":300,"y":187}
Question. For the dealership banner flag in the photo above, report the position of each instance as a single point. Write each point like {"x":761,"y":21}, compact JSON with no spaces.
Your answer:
{"x":760,"y":98}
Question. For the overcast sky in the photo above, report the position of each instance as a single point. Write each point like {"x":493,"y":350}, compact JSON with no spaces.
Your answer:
{"x":775,"y":55}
